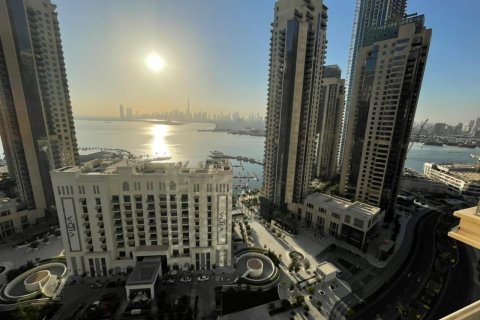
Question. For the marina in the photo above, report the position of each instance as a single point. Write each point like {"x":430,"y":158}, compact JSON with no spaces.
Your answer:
{"x":220,"y":155}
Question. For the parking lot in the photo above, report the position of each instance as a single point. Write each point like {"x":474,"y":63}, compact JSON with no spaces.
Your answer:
{"x":203,"y":289}
{"x":76,"y":297}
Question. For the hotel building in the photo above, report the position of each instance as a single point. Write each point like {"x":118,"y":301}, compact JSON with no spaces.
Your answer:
{"x":36,"y":122}
{"x":385,"y":93}
{"x":329,"y":123}
{"x":297,"y":54}
{"x":115,"y":213}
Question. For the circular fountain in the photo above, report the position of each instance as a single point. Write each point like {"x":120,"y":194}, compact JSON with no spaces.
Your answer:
{"x":35,"y":281}
{"x":255,"y":266}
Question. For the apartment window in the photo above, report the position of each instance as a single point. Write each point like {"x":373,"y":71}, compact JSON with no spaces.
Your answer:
{"x":358,"y":223}
{"x":125,"y":186}
{"x":335,"y":215}
{"x":347,"y":218}
{"x":196,"y":187}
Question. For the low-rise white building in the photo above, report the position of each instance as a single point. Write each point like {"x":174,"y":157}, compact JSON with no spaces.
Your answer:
{"x":345,"y":220}
{"x":115,"y":213}
{"x":460,"y":178}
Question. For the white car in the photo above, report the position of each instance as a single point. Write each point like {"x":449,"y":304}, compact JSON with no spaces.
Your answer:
{"x":170,"y":280}
{"x":203,"y":278}
{"x":186,"y":279}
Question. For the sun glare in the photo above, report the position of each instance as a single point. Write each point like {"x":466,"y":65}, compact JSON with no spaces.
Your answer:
{"x":155,"y":62}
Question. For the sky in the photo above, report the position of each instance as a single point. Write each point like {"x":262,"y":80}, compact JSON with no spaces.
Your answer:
{"x":216,"y":55}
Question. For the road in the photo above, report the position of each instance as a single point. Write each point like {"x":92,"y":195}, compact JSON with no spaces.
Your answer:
{"x":459,"y":289}
{"x":411,"y":279}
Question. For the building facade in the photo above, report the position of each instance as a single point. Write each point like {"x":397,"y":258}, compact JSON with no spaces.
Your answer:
{"x":36,"y":122}
{"x":340,"y":218}
{"x":297,"y":53}
{"x":368,"y":14}
{"x":385,"y":92}
{"x":459,"y":179}
{"x":115,"y":213}
{"x":11,"y":220}
{"x":329,"y":122}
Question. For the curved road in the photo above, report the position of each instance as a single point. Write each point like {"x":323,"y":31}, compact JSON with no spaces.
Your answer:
{"x":411,"y":279}
{"x":459,"y":288}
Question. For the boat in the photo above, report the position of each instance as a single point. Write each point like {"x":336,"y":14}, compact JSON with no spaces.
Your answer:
{"x":433,"y":143}
{"x":466,"y":145}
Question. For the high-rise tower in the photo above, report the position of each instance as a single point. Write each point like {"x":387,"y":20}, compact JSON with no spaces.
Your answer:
{"x":368,"y":14}
{"x":36,"y":121}
{"x":385,"y":91}
{"x":329,"y":124}
{"x":297,"y":51}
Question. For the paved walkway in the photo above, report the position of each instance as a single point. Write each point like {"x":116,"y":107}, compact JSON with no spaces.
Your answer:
{"x":20,"y":256}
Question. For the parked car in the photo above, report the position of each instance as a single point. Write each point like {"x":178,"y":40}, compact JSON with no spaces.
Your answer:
{"x":96,"y":285}
{"x":186,"y":279}
{"x":170,"y":280}
{"x":203,"y":278}
{"x":322,"y":292}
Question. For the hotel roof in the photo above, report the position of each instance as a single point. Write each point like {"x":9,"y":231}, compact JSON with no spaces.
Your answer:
{"x":152,"y":166}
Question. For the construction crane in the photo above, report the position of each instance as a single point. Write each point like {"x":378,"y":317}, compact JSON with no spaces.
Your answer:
{"x":418,"y":135}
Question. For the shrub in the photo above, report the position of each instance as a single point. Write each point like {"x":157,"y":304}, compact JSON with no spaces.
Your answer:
{"x":311,"y":290}
{"x":291,"y":286}
{"x":306,"y":264}
{"x":58,"y":233}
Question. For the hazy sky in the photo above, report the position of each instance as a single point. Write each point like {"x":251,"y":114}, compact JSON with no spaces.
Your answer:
{"x":217,"y":54}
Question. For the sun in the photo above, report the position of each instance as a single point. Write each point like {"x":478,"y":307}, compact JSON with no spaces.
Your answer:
{"x":155,"y":62}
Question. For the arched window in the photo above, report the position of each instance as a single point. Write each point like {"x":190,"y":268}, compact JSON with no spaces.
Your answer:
{"x":125,"y":186}
{"x":173,"y":186}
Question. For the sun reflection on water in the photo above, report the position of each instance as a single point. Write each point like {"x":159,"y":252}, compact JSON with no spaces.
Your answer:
{"x":159,"y":146}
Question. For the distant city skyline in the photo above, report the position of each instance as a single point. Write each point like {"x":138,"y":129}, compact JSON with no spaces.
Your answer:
{"x":227,"y":68}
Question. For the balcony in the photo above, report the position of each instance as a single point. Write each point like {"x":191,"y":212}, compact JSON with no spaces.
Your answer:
{"x":117,"y":216}
{"x":85,"y":215}
{"x":468,"y":231}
